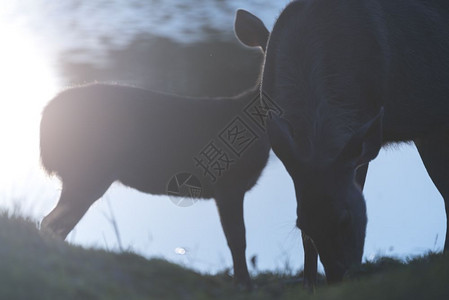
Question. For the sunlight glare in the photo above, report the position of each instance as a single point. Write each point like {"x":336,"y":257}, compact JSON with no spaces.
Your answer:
{"x":27,"y":84}
{"x":180,"y":251}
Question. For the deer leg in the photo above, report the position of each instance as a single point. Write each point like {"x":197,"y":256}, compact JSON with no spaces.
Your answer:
{"x":310,"y":263}
{"x":434,"y":152}
{"x":230,"y":209}
{"x":76,"y":198}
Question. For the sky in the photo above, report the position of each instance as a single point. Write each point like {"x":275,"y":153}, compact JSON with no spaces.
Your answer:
{"x":405,"y":211}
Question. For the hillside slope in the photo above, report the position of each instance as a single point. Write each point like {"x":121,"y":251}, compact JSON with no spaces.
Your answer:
{"x":36,"y":266}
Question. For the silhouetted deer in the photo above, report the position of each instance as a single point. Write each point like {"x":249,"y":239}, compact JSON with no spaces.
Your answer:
{"x":94,"y":135}
{"x":351,"y":76}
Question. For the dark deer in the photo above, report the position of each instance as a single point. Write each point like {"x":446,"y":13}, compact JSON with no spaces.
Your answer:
{"x":94,"y":135}
{"x":352,"y":76}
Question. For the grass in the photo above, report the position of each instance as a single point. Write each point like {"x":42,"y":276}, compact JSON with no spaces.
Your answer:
{"x":36,"y":266}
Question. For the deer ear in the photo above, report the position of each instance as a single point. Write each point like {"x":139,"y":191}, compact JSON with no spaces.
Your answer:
{"x":365,"y":144}
{"x":250,"y":30}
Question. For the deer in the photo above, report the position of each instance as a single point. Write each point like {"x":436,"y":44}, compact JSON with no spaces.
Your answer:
{"x":352,"y":76}
{"x":197,"y":147}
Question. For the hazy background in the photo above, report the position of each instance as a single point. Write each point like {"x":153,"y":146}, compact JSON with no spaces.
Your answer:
{"x":185,"y":47}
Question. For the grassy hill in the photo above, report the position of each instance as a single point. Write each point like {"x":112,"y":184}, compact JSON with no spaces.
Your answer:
{"x":36,"y":266}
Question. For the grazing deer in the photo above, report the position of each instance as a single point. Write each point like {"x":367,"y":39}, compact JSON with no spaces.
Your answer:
{"x":352,"y":76}
{"x":94,"y":135}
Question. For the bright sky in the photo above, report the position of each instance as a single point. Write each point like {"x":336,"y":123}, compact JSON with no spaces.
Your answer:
{"x":406,"y":213}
